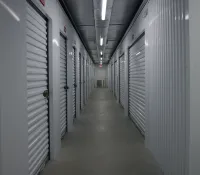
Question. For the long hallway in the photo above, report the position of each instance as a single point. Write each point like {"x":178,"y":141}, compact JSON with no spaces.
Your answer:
{"x":104,"y":142}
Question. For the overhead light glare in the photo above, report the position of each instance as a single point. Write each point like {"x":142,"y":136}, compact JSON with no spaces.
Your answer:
{"x":55,"y":42}
{"x":101,"y":41}
{"x":12,"y":13}
{"x":138,"y":53}
{"x":101,"y":53}
{"x":103,"y":10}
{"x":101,"y":58}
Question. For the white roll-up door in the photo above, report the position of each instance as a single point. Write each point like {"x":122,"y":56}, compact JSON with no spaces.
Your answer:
{"x":122,"y":79}
{"x":82,"y":83}
{"x":137,"y":83}
{"x":112,"y":79}
{"x":63,"y":85}
{"x":84,"y":80}
{"x":37,"y":88}
{"x":87,"y":79}
{"x":116,"y":78}
{"x":74,"y":82}
{"x":110,"y":76}
{"x":80,"y":79}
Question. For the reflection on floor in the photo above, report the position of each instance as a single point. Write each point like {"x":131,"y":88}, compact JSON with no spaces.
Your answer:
{"x":104,"y":143}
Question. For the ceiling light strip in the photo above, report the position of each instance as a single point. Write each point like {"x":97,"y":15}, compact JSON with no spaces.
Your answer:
{"x":103,"y":10}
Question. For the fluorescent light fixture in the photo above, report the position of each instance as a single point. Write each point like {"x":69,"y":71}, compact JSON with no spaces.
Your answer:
{"x":12,"y":13}
{"x":103,"y":10}
{"x":101,"y":41}
{"x":55,"y":42}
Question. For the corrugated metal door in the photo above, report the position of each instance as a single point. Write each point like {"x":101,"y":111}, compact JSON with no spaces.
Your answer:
{"x":137,"y":83}
{"x":122,"y":79}
{"x":84,"y":81}
{"x":80,"y":79}
{"x":116,"y":78}
{"x":74,"y":82}
{"x":63,"y":85}
{"x":87,"y":79}
{"x":37,"y":88}
{"x":112,"y":79}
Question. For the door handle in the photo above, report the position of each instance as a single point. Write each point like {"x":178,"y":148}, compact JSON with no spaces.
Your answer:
{"x":46,"y":94}
{"x":66,"y":87}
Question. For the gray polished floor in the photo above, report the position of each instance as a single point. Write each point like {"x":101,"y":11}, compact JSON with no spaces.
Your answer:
{"x":104,"y":143}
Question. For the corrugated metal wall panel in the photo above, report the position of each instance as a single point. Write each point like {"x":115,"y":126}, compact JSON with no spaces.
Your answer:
{"x":63,"y":85}
{"x":166,"y":47}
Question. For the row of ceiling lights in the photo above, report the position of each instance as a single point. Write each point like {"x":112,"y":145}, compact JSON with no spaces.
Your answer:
{"x":103,"y":17}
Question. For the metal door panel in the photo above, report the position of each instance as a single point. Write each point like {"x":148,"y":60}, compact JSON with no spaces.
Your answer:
{"x":112,"y":78}
{"x":122,"y":79}
{"x":74,"y":82}
{"x":137,"y":90}
{"x":80,"y":80}
{"x":116,"y":78}
{"x":82,"y":83}
{"x":37,"y":83}
{"x":63,"y":85}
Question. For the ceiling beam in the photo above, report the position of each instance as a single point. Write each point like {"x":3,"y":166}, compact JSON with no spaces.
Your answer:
{"x":63,"y":4}
{"x":129,"y":25}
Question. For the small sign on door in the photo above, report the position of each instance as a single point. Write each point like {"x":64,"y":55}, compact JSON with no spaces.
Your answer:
{"x":42,"y":2}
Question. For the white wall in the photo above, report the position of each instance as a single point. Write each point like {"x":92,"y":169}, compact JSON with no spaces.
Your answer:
{"x":13,"y":109}
{"x":166,"y":38}
{"x":101,"y":73}
{"x":194,"y":63}
{"x":13,"y":94}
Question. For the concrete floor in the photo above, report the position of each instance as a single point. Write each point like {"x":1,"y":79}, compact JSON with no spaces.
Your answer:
{"x":104,"y":143}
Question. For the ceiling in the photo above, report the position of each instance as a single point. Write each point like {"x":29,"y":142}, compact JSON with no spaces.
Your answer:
{"x":86,"y":15}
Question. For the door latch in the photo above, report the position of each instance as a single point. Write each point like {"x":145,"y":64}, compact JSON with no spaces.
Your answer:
{"x":66,"y":87}
{"x":46,"y":94}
